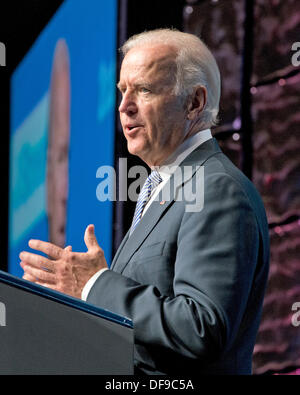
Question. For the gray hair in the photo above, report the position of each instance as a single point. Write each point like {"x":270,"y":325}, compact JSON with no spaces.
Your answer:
{"x":195,"y":66}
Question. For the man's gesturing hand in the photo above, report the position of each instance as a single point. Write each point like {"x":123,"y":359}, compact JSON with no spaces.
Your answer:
{"x":64,"y":270}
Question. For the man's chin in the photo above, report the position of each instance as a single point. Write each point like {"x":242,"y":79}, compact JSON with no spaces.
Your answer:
{"x":134,"y":149}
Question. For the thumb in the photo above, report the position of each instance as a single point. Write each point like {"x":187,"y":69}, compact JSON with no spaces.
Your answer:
{"x":68,"y":248}
{"x":90,"y":237}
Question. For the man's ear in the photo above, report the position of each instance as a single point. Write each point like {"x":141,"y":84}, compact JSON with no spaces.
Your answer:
{"x":197,"y":102}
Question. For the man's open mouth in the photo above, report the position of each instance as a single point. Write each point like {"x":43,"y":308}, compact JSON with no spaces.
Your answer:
{"x":132,"y":128}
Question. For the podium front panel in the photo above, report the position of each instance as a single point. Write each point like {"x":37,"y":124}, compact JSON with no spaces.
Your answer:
{"x":44,"y":332}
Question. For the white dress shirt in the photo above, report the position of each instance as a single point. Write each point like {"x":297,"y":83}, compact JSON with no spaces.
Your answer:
{"x":165,"y":171}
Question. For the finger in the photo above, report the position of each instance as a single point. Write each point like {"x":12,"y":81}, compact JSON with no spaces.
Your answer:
{"x":68,"y":248}
{"x":37,"y":261}
{"x":26,"y":276}
{"x":47,"y":285}
{"x":29,"y":277}
{"x":32,"y":279}
{"x":47,"y":248}
{"x":39,"y":275}
{"x":90,"y":238}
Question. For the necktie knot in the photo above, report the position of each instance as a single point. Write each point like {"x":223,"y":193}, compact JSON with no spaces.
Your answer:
{"x":153,"y":180}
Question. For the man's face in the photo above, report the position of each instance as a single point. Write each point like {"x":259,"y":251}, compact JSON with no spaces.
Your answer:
{"x":152,"y":116}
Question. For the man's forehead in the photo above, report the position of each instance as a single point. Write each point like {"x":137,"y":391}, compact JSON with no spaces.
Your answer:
{"x":150,"y":58}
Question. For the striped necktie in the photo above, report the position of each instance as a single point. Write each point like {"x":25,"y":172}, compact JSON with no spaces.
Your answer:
{"x":151,"y":183}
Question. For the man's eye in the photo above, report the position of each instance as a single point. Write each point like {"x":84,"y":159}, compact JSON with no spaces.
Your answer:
{"x":145,"y":90}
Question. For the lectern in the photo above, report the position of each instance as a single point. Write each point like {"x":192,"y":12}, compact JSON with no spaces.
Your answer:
{"x":46,"y":332}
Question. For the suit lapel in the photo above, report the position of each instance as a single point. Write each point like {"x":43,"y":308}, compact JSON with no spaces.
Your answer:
{"x":119,"y":250}
{"x":131,"y":244}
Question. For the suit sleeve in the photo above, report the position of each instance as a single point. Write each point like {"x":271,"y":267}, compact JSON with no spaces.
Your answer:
{"x":214,"y":269}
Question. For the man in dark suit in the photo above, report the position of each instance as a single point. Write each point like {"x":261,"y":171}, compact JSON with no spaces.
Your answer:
{"x":191,"y":277}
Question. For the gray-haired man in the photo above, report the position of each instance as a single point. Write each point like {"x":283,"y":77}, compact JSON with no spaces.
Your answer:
{"x":192,"y":281}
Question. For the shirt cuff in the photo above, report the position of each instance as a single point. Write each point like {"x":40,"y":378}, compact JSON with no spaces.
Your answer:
{"x":88,"y":286}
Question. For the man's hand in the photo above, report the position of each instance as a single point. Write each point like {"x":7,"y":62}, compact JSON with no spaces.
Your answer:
{"x":64,"y":270}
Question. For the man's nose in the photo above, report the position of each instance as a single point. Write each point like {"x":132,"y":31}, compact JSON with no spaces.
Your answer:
{"x":128,"y":104}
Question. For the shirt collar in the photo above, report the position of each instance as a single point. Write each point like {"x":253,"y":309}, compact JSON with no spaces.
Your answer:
{"x":188,"y":146}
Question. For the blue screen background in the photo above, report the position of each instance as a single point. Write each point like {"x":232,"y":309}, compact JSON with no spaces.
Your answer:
{"x":90,"y":34}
